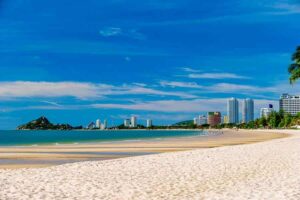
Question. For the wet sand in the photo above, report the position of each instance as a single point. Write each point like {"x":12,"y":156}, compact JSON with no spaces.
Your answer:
{"x":50,"y":155}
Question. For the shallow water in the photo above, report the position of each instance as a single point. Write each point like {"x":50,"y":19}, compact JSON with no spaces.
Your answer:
{"x":35,"y":138}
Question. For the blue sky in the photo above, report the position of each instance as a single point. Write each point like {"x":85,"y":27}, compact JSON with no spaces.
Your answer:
{"x":166,"y":60}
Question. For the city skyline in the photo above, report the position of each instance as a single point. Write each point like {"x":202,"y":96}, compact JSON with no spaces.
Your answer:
{"x":168,"y":65}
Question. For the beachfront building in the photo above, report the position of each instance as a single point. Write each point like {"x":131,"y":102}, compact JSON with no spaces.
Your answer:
{"x":290,"y":104}
{"x":104,"y":125}
{"x":98,"y":123}
{"x":266,"y":112}
{"x":202,"y":120}
{"x":127,"y":122}
{"x":195,"y":121}
{"x":149,"y":123}
{"x":248,"y":110}
{"x":214,"y":118}
{"x":233,"y":110}
{"x":133,"y":123}
{"x":91,"y":125}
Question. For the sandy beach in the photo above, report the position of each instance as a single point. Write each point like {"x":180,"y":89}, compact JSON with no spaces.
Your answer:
{"x":50,"y":155}
{"x":264,"y":170}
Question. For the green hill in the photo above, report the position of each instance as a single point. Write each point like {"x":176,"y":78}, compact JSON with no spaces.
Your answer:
{"x":43,"y":123}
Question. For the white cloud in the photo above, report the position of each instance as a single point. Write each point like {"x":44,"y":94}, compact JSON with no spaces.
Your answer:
{"x":216,"y":76}
{"x":110,"y":31}
{"x":180,"y":84}
{"x":188,"y":69}
{"x":185,"y":106}
{"x":115,"y":31}
{"x":237,"y":88}
{"x":80,"y":90}
{"x":136,"y":90}
{"x":50,"y":89}
{"x":51,"y":103}
{"x":286,"y":8}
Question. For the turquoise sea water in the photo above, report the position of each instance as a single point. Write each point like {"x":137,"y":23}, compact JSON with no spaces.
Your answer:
{"x":19,"y":138}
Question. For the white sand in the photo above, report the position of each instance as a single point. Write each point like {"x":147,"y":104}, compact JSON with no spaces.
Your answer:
{"x":267,"y":170}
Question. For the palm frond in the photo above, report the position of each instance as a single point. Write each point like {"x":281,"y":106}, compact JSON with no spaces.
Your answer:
{"x":295,"y":75}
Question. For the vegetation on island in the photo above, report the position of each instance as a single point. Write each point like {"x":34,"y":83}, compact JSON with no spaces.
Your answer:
{"x":43,"y":123}
{"x":122,"y":126}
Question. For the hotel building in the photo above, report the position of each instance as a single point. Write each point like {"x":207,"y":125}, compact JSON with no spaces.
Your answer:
{"x":214,"y":118}
{"x":202,"y":120}
{"x":248,"y":110}
{"x":290,"y":104}
{"x":127,"y":122}
{"x":195,"y":121}
{"x":233,"y":110}
{"x":266,"y":112}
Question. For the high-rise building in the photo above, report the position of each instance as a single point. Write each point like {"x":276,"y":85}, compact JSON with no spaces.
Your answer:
{"x":214,"y":118}
{"x":133,"y":123}
{"x":233,"y":110}
{"x":195,"y":121}
{"x":98,"y":123}
{"x":104,"y":125}
{"x":91,"y":125}
{"x":289,"y":104}
{"x":248,"y":110}
{"x":127,"y":122}
{"x":149,"y":123}
{"x":202,"y":120}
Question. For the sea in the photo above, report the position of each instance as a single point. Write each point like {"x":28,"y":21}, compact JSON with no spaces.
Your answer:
{"x":33,"y":138}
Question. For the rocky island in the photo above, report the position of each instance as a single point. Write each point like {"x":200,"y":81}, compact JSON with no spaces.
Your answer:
{"x":43,"y":123}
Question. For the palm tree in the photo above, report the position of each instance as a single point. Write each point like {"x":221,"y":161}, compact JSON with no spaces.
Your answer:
{"x":294,"y":68}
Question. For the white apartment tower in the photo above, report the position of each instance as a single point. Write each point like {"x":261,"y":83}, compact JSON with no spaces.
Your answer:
{"x":98,"y":123}
{"x":104,"y":125}
{"x":127,"y":122}
{"x":233,"y":110}
{"x":248,"y":110}
{"x":195,"y":121}
{"x":133,"y":123}
{"x":149,"y":123}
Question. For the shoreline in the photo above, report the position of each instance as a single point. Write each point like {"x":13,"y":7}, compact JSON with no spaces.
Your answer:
{"x":49,"y":155}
